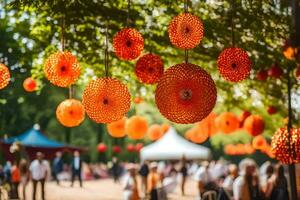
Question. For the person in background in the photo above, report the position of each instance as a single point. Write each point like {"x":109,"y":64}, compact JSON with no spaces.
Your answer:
{"x":266,"y":177}
{"x":144,"y":171}
{"x":76,"y":168}
{"x":24,"y":171}
{"x":204,"y":178}
{"x":115,"y":169}
{"x":15,"y":179}
{"x":153,"y":181}
{"x":7,"y":172}
{"x":232,"y":175}
{"x":277,"y":186}
{"x":130,"y":184}
{"x":184,"y":173}
{"x":38,"y":173}
{"x":57,"y":166}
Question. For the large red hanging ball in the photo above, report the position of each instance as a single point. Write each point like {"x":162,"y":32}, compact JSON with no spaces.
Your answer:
{"x":185,"y":94}
{"x":29,"y":84}
{"x":4,"y":76}
{"x":117,"y":128}
{"x":149,"y":68}
{"x":227,"y":122}
{"x":234,"y":64}
{"x":275,"y":71}
{"x":128,"y":44}
{"x":186,"y":31}
{"x":136,"y":127}
{"x":254,"y":125}
{"x":101,"y":148}
{"x":62,"y":69}
{"x":262,"y":75}
{"x":106,"y":100}
{"x":70,"y":112}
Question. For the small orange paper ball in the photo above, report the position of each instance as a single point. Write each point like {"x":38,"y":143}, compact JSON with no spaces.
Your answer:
{"x":29,"y":84}
{"x":230,"y":149}
{"x":249,"y":149}
{"x":186,"y":31}
{"x":197,"y":136}
{"x":208,"y":126}
{"x":62,"y":69}
{"x":164,"y":127}
{"x":106,"y":100}
{"x":259,"y":142}
{"x":137,"y":100}
{"x":136,"y":127}
{"x":70,"y":112}
{"x":128,"y":44}
{"x":227,"y":122}
{"x":4,"y":76}
{"x":234,"y":64}
{"x":149,"y":68}
{"x":254,"y":125}
{"x":154,"y":132}
{"x":117,"y":128}
{"x":185,"y":94}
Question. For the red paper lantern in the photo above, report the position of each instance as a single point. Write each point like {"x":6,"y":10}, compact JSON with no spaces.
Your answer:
{"x":298,"y":72}
{"x":117,"y":128}
{"x":101,"y":148}
{"x":130,"y":148}
{"x":259,"y":142}
{"x":275,"y":71}
{"x":272,"y":110}
{"x":62,"y":69}
{"x":128,"y":44}
{"x":262,"y":75}
{"x":154,"y":132}
{"x":116,"y":149}
{"x":254,"y":125}
{"x":185,"y":94}
{"x":208,"y":126}
{"x":227,"y":122}
{"x":234,"y":64}
{"x":149,"y":68}
{"x":243,"y":117}
{"x":138,"y":147}
{"x":136,"y":127}
{"x":70,"y":113}
{"x":186,"y":31}
{"x":106,"y":100}
{"x":29,"y":84}
{"x":4,"y":76}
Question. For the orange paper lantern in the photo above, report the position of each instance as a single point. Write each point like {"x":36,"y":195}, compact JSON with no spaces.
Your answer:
{"x":117,"y":128}
{"x":136,"y":127}
{"x":106,"y":100}
{"x":185,"y":94}
{"x":137,"y":100}
{"x":254,"y":125}
{"x":208,"y":126}
{"x":197,"y":136}
{"x":4,"y":76}
{"x":29,"y":84}
{"x":227,"y":122}
{"x":186,"y":31}
{"x":164,"y":128}
{"x":70,"y":112}
{"x":230,"y":149}
{"x":149,"y":68}
{"x":154,"y":132}
{"x":234,"y":64}
{"x":62,"y":69}
{"x":249,"y":149}
{"x":128,"y":44}
{"x":259,"y":142}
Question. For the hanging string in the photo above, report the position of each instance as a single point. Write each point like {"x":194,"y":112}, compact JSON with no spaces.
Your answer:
{"x":232,"y":22}
{"x":186,"y":52}
{"x":63,"y":33}
{"x":106,"y":50}
{"x":128,"y":13}
{"x":186,"y":6}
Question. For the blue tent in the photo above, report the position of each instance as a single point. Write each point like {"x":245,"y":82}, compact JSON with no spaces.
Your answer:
{"x":34,"y":138}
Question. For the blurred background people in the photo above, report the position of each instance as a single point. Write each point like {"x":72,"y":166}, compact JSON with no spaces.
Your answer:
{"x":232,"y":175}
{"x":24,"y":171}
{"x":115,"y":169}
{"x":144,"y":171}
{"x":183,"y":172}
{"x":76,"y":168}
{"x":15,"y":179}
{"x":130,"y":184}
{"x":57,"y":166}
{"x":153,"y":181}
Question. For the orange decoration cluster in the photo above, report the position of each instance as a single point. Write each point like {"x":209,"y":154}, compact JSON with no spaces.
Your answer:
{"x":186,"y":31}
{"x":196,"y":135}
{"x":29,"y":84}
{"x":208,"y":126}
{"x":280,"y":146}
{"x":259,"y":142}
{"x":136,"y":127}
{"x":62,"y":69}
{"x":238,"y":149}
{"x":149,"y":68}
{"x":128,"y":44}
{"x":234,"y":64}
{"x":4,"y":76}
{"x":254,"y":125}
{"x":106,"y":100}
{"x":117,"y":128}
{"x":70,"y":112}
{"x":185,"y":94}
{"x":154,"y":132}
{"x":227,"y":122}
{"x":164,"y":127}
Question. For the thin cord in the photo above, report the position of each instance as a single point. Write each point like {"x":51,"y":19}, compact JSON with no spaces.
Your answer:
{"x":128,"y":12}
{"x":186,"y":52}
{"x":63,"y":33}
{"x":186,"y":6}
{"x":232,"y":23}
{"x":106,"y":50}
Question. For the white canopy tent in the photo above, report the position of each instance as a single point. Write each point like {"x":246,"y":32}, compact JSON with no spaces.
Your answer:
{"x":173,"y":147}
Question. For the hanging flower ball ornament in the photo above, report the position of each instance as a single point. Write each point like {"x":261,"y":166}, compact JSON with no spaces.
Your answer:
{"x":254,"y":125}
{"x":106,"y":100}
{"x":62,"y":69}
{"x":259,"y":142}
{"x":128,"y":44}
{"x":117,"y":128}
{"x":234,"y":64}
{"x":185,"y":94}
{"x":70,"y":112}
{"x":136,"y":127}
{"x":227,"y":122}
{"x":154,"y":132}
{"x":29,"y":84}
{"x":186,"y":31}
{"x":149,"y":68}
{"x":4,"y":76}
{"x":101,"y":148}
